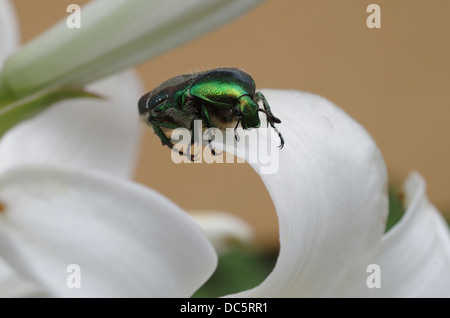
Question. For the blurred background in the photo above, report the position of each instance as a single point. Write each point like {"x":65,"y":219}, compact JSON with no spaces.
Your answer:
{"x":394,"y":80}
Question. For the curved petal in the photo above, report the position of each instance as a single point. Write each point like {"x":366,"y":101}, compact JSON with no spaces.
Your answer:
{"x":114,"y":35}
{"x":97,"y":134}
{"x":127,"y":240}
{"x":223,"y":229}
{"x":330,"y":193}
{"x":9,"y":30}
{"x":414,"y":257}
{"x":13,"y":285}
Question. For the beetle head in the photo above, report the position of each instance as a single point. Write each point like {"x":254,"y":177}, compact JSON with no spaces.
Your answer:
{"x":246,"y":110}
{"x":143,"y":104}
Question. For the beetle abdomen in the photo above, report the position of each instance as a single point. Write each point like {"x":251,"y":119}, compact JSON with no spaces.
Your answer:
{"x":169,"y":92}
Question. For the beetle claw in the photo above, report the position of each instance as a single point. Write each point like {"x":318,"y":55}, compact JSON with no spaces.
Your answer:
{"x":214,"y":153}
{"x":181,"y":153}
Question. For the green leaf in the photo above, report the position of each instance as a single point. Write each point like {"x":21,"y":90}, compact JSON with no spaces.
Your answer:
{"x":396,"y":208}
{"x":25,"y":108}
{"x":238,"y":270}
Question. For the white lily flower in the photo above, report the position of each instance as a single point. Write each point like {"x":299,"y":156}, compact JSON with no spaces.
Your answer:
{"x":331,"y":203}
{"x":91,"y":135}
{"x":330,"y":193}
{"x":127,"y":240}
{"x":101,"y":135}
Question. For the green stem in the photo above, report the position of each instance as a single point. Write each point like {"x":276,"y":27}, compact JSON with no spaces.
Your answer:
{"x":5,"y":94}
{"x":24,"y":108}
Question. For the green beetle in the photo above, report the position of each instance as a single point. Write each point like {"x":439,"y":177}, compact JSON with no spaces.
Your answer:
{"x":221,"y":98}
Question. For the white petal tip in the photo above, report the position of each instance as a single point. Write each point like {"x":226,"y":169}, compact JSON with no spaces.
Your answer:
{"x":223,"y":230}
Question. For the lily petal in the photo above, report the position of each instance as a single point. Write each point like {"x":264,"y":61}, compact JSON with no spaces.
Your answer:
{"x":128,"y":240}
{"x":330,"y":193}
{"x":91,"y":133}
{"x":223,"y":229}
{"x":9,"y":30}
{"x":13,"y":285}
{"x":414,"y":257}
{"x":114,"y":35}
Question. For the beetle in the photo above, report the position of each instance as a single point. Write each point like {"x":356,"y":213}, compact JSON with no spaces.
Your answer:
{"x":220,"y":98}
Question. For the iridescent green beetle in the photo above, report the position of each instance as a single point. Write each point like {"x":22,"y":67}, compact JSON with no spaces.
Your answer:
{"x":222,"y":98}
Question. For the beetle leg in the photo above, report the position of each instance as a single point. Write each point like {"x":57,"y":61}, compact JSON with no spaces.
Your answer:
{"x":213,"y":151}
{"x":272,"y":124}
{"x":158,"y":131}
{"x":206,"y":118}
{"x":191,"y":128}
{"x":267,"y":116}
{"x":260,"y":97}
{"x":162,"y":136}
{"x":207,"y":122}
{"x":271,"y":119}
{"x":279,"y":135}
{"x":236,"y":136}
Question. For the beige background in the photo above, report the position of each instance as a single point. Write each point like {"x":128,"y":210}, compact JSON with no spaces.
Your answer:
{"x":394,"y":80}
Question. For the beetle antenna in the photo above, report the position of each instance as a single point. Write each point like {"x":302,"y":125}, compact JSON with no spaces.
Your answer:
{"x":267,"y":115}
{"x":236,"y":136}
